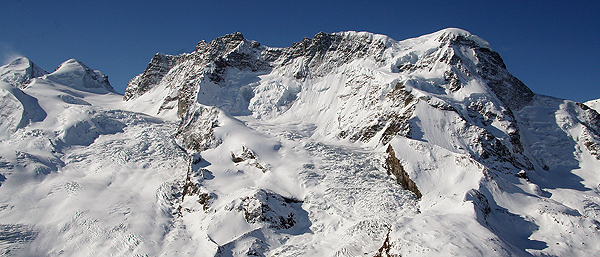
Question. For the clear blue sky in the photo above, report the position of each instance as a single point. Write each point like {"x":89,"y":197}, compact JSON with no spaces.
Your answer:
{"x":552,"y":46}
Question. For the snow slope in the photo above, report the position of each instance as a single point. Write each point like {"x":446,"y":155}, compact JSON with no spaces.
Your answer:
{"x":239,"y":149}
{"x":18,"y":109}
{"x":71,"y":173}
{"x":594,"y":104}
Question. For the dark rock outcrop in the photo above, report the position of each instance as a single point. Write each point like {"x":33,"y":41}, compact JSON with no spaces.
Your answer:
{"x":482,"y":205}
{"x":195,"y":132}
{"x":158,"y":67}
{"x":590,"y":119}
{"x":490,"y":67}
{"x":384,"y":250}
{"x":394,"y":167}
{"x":248,"y":156}
{"x":325,"y":52}
{"x":265,"y":206}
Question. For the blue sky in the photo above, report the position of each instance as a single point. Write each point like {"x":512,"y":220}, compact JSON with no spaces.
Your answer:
{"x":552,"y":46}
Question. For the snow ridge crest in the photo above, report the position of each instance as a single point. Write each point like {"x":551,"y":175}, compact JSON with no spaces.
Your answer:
{"x":20,"y":72}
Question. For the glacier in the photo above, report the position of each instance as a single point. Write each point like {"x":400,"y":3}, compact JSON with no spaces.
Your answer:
{"x":344,"y":144}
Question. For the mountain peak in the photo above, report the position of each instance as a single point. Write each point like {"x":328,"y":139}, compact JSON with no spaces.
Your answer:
{"x":456,"y":35}
{"x":20,"y":72}
{"x":70,"y":64}
{"x":226,"y":41}
{"x":235,"y":36}
{"x":20,"y":61}
{"x":75,"y":74}
{"x":455,"y":31}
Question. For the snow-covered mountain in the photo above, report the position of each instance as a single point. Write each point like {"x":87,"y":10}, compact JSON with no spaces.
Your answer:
{"x":20,"y":72}
{"x":346,"y":144}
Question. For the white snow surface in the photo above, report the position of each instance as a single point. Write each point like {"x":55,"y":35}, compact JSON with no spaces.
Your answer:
{"x":594,"y":104}
{"x":20,"y":72}
{"x":77,"y":75}
{"x":295,"y":166}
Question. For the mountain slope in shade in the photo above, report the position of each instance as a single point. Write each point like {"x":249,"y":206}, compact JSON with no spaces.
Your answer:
{"x":345,"y":144}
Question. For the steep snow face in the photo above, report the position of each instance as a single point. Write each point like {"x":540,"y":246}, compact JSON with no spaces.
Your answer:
{"x":20,"y":72}
{"x":77,"y":75}
{"x":18,"y":110}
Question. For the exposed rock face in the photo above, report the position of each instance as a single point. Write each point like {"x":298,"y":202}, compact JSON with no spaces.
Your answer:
{"x":264,"y":206}
{"x":392,"y":122}
{"x":320,"y":55}
{"x":489,"y":66}
{"x":247,"y":156}
{"x":480,"y":201}
{"x":395,"y":168}
{"x":384,"y":250}
{"x":589,"y":117}
{"x":230,"y":51}
{"x":192,"y":187}
{"x":591,"y":132}
{"x":157,"y":68}
{"x":184,"y":74}
{"x":195,"y":131}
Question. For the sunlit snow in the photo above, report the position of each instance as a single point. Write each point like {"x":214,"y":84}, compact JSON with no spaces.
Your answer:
{"x":239,"y":149}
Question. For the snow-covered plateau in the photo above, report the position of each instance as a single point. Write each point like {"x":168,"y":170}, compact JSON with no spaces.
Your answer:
{"x":344,"y":144}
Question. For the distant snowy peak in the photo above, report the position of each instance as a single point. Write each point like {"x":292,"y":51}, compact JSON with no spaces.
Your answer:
{"x":20,"y":72}
{"x":72,"y":73}
{"x":75,"y":74}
